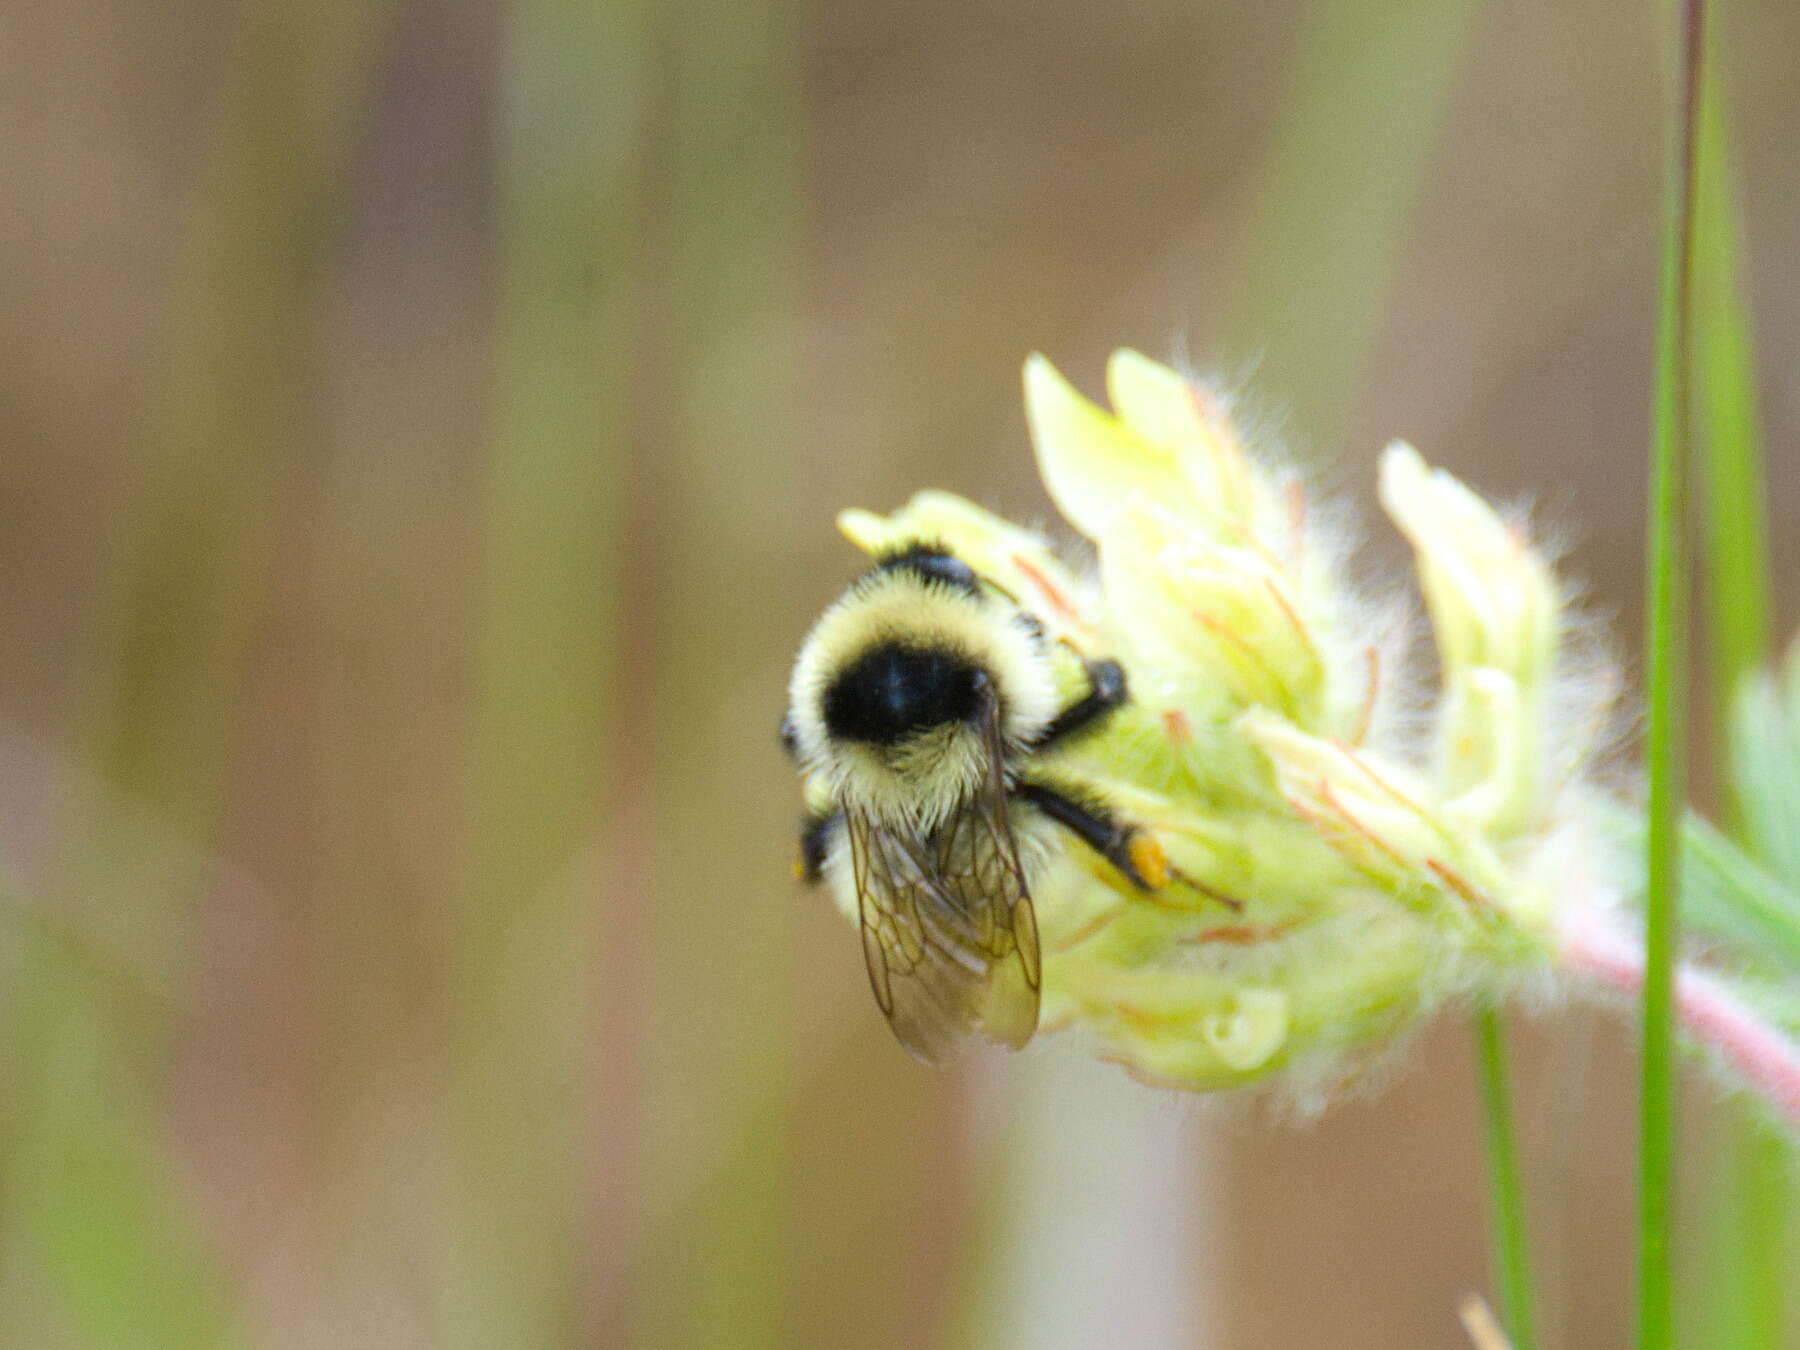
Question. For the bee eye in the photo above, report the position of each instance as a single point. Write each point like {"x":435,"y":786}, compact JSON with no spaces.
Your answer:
{"x":948,"y":569}
{"x":893,"y":691}
{"x":934,"y":565}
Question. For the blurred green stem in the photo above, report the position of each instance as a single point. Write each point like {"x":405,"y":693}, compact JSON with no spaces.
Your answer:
{"x":1507,"y":1235}
{"x":1334,"y":197}
{"x":525,"y":935}
{"x":1750,"y":1282}
{"x":1749,"y":1271}
{"x":710,"y":530}
{"x":1665,"y":739}
{"x":1737,"y":538}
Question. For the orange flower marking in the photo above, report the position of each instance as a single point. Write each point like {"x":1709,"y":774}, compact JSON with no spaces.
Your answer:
{"x":1344,"y":813}
{"x":1476,"y":900}
{"x":1366,"y":717}
{"x":1287,"y":608}
{"x":1141,"y":1075}
{"x":1240,"y":934}
{"x":1368,"y":772}
{"x":1228,"y":454}
{"x":1237,"y":642}
{"x":1046,"y":588}
{"x":1296,"y":504}
{"x":1087,"y":930}
{"x":1132,"y":1012}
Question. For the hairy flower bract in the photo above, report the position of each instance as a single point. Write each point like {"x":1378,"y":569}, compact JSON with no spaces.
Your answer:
{"x":1334,"y":876}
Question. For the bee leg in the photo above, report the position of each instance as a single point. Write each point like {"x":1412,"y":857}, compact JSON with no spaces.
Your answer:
{"x":790,"y":739}
{"x":1106,"y":691}
{"x":1133,"y":851}
{"x":815,"y":840}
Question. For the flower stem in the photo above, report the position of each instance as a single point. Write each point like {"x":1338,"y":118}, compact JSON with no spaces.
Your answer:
{"x":1757,"y":1054}
{"x":1667,"y":656}
{"x":1507,"y":1241}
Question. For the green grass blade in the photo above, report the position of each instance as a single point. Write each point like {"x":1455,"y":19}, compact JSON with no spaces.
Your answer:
{"x":1737,"y":534}
{"x":1507,"y":1240}
{"x":1749,"y":1284}
{"x":1667,"y":699}
{"x":1764,"y":773}
{"x":1750,"y":1247}
{"x":112,"y":1228}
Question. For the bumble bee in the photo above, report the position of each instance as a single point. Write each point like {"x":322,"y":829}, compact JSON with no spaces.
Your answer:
{"x":921,"y":706}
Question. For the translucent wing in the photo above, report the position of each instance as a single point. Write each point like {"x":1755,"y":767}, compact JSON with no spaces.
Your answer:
{"x":948,"y":931}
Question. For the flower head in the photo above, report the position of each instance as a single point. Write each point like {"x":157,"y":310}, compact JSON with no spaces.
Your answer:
{"x":1325,"y":888}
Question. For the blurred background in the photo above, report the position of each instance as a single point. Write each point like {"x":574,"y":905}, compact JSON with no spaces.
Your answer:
{"x":422,"y":425}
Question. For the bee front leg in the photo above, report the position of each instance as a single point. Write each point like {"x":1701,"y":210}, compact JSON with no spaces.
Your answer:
{"x":1134,"y":852}
{"x":1106,"y":691}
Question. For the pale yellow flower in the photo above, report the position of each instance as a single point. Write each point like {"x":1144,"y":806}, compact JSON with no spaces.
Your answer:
{"x":1494,"y":611}
{"x":1327,"y":888}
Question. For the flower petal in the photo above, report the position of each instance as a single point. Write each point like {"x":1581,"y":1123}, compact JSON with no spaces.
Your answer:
{"x":1208,"y":614}
{"x":1169,"y":409}
{"x":1250,"y":1030}
{"x":1490,"y":595}
{"x":1090,"y":461}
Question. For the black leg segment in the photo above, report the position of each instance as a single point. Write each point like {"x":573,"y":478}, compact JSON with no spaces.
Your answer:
{"x":1120,"y":844}
{"x":1106,"y":680}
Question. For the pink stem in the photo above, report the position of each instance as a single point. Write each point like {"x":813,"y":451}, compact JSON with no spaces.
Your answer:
{"x":1709,"y":1012}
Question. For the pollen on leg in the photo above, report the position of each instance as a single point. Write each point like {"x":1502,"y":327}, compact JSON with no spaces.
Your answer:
{"x":1148,"y":860}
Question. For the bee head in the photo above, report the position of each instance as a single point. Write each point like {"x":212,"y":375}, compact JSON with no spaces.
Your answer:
{"x":902,"y":682}
{"x":930,"y":562}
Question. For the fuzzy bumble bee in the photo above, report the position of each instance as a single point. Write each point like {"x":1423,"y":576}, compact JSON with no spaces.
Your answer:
{"x":926,"y":713}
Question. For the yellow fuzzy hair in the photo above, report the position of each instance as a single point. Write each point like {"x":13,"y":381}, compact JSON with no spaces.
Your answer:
{"x":924,"y":778}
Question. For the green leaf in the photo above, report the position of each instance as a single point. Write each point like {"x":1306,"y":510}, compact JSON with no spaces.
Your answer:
{"x":1727,"y":895}
{"x":1728,"y":898}
{"x":1765,"y":767}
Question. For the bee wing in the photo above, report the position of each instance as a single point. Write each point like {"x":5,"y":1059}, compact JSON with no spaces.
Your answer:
{"x":948,"y":931}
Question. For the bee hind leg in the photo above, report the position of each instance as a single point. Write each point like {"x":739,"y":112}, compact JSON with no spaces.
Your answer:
{"x":1134,"y":852}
